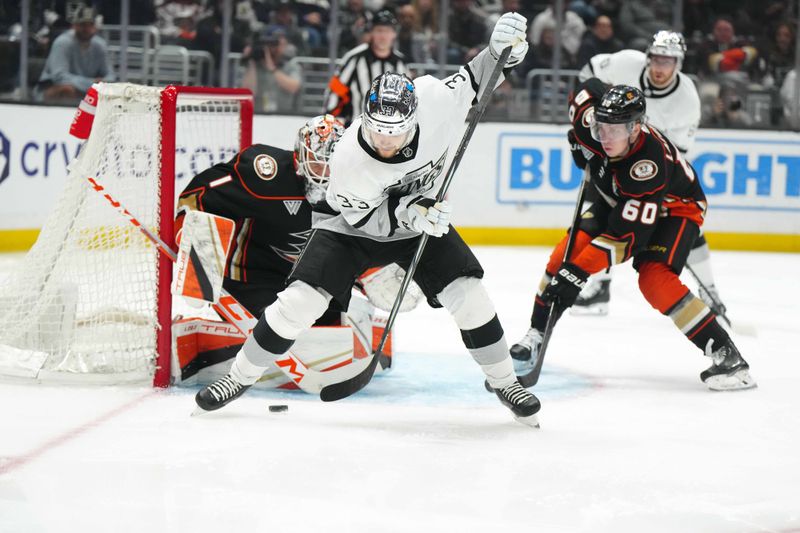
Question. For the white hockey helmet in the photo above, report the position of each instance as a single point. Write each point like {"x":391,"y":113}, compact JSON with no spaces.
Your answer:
{"x":390,"y":112}
{"x":669,"y":44}
{"x":313,"y":147}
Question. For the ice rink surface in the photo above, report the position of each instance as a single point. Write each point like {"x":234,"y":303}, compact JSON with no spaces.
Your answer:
{"x":631,"y":440}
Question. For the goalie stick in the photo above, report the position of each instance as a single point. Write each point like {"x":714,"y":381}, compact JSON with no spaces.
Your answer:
{"x":337,"y":391}
{"x":310,"y":381}
{"x":532,"y":378}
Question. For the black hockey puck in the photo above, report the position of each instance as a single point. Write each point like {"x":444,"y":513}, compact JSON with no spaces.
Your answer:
{"x":278,"y":408}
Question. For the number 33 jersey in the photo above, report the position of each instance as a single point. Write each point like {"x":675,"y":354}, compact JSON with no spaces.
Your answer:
{"x":372,"y":195}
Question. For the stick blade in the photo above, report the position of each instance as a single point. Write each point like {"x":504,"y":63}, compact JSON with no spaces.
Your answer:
{"x":343,"y":389}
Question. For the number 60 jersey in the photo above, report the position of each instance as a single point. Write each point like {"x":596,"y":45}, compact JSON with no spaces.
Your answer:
{"x":650,"y":182}
{"x":371,"y":194}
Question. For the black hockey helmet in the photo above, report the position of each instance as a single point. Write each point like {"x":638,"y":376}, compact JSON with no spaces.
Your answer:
{"x":621,"y":104}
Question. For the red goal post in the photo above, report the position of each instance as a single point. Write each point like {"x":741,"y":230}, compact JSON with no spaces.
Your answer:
{"x":169,"y":105}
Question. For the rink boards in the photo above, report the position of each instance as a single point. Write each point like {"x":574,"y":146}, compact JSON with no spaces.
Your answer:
{"x":519,"y":178}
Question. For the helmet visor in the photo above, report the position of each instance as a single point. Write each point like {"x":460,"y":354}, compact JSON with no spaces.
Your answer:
{"x":605,"y":133}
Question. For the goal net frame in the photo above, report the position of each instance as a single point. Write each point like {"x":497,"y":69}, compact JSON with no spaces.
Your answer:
{"x":72,"y":278}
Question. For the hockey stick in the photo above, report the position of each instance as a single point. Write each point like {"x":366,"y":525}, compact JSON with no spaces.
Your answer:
{"x":337,"y":391}
{"x":310,"y":381}
{"x":532,"y":378}
{"x":716,"y":307}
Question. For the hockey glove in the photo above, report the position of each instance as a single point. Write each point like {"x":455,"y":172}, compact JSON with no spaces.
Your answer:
{"x":565,"y":286}
{"x":510,"y":29}
{"x":428,"y":216}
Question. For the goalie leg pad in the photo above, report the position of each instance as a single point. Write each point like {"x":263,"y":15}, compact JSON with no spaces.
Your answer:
{"x":200,"y":266}
{"x":297,"y":308}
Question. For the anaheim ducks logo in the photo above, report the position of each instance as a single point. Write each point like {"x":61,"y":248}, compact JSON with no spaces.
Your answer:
{"x":644,"y":170}
{"x":265,"y":166}
{"x":588,"y":118}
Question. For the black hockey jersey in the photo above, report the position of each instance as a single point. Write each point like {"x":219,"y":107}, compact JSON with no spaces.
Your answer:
{"x":260,"y":190}
{"x":651,"y":181}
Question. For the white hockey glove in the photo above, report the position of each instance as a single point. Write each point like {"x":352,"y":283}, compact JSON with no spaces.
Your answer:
{"x":431,"y":219}
{"x":510,"y":29}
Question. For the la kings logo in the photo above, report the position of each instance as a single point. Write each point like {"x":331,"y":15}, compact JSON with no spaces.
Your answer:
{"x":419,"y":180}
{"x":292,"y":206}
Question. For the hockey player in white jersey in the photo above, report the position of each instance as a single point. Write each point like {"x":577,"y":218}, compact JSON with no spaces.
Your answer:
{"x":385,"y":174}
{"x":673,"y":106}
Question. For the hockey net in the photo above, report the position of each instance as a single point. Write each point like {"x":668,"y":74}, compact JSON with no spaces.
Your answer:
{"x":90,"y":302}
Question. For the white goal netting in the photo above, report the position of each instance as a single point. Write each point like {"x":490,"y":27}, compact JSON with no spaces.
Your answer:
{"x":83,"y":303}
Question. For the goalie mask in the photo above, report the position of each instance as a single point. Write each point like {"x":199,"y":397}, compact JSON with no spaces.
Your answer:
{"x":312,"y":151}
{"x":390,"y":114}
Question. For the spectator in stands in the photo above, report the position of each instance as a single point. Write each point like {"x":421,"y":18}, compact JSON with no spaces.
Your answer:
{"x":313,"y":18}
{"x":639,"y":21}
{"x":541,"y":56}
{"x":209,"y":33}
{"x":353,"y":20}
{"x":778,"y":57}
{"x":571,"y":30}
{"x":412,"y":43}
{"x":274,"y":80}
{"x":790,"y":96}
{"x":600,"y":40}
{"x":353,"y":78}
{"x":284,"y":16}
{"x":727,"y":110}
{"x":467,"y":31}
{"x":697,"y":18}
{"x":428,"y":13}
{"x":172,"y":16}
{"x":724,"y":52}
{"x":585,"y":10}
{"x":77,"y":59}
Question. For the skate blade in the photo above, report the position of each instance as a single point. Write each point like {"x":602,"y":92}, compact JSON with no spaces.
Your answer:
{"x":590,"y":310}
{"x":532,"y":420}
{"x":198,"y":411}
{"x":740,"y":380}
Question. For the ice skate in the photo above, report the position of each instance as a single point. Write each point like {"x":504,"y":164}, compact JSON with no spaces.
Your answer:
{"x":525,"y":352}
{"x":522,"y":403}
{"x":219,"y":393}
{"x":593,"y":299}
{"x":729,"y":370}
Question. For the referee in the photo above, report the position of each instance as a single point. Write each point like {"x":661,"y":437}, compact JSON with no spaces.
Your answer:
{"x":361,"y":65}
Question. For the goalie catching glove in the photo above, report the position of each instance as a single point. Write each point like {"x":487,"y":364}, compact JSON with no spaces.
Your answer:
{"x":429,"y":216}
{"x":510,"y":29}
{"x":199,"y":270}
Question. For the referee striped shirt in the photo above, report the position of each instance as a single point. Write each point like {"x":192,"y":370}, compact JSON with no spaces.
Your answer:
{"x":351,"y":83}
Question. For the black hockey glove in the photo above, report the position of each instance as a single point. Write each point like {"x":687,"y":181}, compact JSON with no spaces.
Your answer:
{"x":595,"y":87}
{"x":576,"y":150}
{"x":565,"y":286}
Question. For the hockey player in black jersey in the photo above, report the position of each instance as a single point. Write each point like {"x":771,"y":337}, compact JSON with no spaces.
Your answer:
{"x":268,"y":192}
{"x":651,"y":210}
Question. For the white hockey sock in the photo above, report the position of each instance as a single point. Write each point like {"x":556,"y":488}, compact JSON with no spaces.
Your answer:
{"x":243,"y":369}
{"x":500,"y":374}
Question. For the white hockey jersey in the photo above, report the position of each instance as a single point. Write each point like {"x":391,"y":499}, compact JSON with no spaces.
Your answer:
{"x":371,"y":194}
{"x":675,"y":109}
